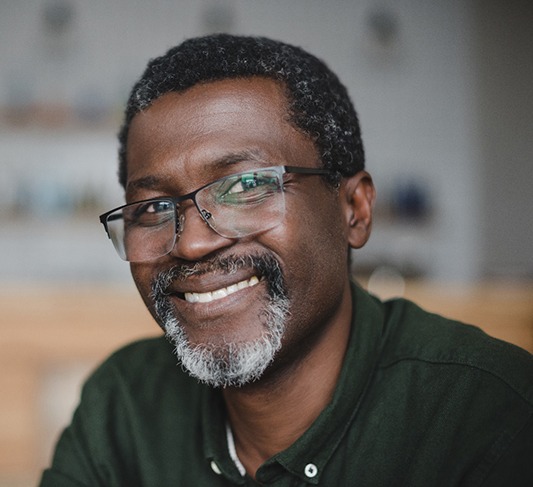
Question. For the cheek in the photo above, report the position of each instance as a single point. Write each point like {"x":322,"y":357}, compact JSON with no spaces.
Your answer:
{"x":313,"y":250}
{"x":316,"y":250}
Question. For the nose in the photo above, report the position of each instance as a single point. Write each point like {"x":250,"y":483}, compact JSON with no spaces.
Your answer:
{"x":196,"y":239}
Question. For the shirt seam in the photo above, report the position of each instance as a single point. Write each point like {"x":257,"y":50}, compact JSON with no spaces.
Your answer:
{"x":460,"y":363}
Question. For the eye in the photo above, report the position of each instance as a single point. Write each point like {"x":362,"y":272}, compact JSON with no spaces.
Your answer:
{"x":246,"y":182}
{"x":156,"y":207}
{"x":150,"y":214}
{"x":247,"y":188}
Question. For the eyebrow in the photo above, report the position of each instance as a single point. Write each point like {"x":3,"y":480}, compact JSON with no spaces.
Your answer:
{"x":227,"y":160}
{"x":148,"y":182}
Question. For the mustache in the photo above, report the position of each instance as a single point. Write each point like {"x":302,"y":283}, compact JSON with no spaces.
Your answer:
{"x":265,"y":265}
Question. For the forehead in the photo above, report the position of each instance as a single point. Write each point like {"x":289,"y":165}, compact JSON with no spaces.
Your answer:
{"x":207,"y":127}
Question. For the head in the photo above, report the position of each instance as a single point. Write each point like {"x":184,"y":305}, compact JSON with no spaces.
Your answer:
{"x":239,"y":307}
{"x":318,"y":103}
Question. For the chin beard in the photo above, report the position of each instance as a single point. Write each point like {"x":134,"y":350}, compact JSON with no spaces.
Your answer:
{"x":227,"y":364}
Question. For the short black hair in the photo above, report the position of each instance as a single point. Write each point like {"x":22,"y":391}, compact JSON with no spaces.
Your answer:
{"x":318,"y":103}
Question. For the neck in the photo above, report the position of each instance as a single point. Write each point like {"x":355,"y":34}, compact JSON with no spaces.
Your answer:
{"x":268,"y":416}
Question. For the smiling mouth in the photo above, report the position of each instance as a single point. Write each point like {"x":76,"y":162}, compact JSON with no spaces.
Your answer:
{"x":220,"y":293}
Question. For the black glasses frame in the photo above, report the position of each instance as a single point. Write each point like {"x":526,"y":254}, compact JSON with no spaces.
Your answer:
{"x":105,"y":217}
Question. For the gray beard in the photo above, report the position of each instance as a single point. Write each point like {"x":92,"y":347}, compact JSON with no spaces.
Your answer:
{"x":227,"y":364}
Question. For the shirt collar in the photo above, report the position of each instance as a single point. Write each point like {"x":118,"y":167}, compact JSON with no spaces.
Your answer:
{"x":308,"y":456}
{"x":215,"y":436}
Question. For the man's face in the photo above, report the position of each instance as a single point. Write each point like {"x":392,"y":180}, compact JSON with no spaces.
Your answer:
{"x":290,"y":279}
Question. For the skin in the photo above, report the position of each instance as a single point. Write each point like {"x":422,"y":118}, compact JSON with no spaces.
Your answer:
{"x":185,"y":140}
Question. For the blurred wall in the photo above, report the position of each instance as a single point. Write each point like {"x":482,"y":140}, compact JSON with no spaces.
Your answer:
{"x":413,"y":68}
{"x":505,"y":112}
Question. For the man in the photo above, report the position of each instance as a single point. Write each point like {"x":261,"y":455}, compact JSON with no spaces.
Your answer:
{"x":243,"y":168}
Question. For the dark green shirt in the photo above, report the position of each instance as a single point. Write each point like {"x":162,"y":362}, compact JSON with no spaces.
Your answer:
{"x":421,"y":401}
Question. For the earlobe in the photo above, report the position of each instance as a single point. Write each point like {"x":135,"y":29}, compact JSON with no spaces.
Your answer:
{"x":359,"y":196}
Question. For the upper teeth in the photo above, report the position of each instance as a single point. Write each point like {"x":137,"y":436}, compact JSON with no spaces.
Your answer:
{"x":220,"y":293}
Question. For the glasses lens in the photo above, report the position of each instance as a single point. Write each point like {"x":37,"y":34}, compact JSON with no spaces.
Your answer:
{"x":243,"y":204}
{"x":143,"y":231}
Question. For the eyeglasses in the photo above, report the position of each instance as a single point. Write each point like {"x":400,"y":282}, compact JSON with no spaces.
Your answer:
{"x":234,"y":206}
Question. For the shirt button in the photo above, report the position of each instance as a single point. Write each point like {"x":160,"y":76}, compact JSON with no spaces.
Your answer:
{"x":310,"y":470}
{"x":215,"y":468}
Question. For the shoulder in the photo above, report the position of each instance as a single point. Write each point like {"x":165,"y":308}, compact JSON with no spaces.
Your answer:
{"x":439,"y":382}
{"x":136,"y":411}
{"x":124,"y":389}
{"x":148,"y":353}
{"x":157,"y":349}
{"x":142,"y":368}
{"x":415,"y":335}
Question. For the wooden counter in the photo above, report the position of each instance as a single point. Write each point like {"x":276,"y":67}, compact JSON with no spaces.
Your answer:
{"x":53,"y":336}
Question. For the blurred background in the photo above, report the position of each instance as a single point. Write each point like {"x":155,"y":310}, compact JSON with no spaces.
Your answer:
{"x":444,"y":91}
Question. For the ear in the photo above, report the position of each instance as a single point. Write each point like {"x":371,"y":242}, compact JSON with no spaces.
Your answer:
{"x":358,"y":195}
